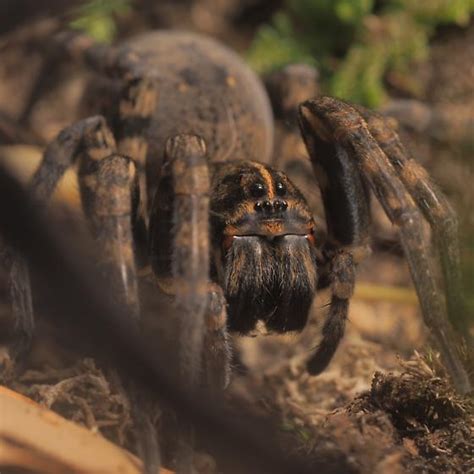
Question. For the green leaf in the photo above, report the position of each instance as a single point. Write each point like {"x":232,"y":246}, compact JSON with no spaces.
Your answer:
{"x":354,"y":45}
{"x":98,"y":18}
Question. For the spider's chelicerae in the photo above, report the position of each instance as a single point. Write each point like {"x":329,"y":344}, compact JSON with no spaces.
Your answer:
{"x":177,"y":173}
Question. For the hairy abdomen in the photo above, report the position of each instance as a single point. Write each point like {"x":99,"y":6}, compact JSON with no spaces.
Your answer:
{"x":206,"y":89}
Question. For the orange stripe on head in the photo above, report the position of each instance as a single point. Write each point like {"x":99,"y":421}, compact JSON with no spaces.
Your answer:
{"x":267,"y":179}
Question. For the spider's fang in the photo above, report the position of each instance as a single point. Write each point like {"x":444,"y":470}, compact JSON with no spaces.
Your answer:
{"x":227,"y":242}
{"x":311,"y":238}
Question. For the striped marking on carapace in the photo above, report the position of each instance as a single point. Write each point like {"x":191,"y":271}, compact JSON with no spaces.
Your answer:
{"x":267,"y":179}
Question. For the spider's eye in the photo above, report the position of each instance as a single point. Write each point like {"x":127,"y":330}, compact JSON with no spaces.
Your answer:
{"x":280,"y":188}
{"x":258,"y":190}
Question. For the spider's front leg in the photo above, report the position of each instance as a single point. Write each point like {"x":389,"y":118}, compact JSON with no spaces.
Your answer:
{"x":334,"y":130}
{"x":179,"y":251}
{"x":346,"y":207}
{"x":57,"y":158}
{"x":109,"y":186}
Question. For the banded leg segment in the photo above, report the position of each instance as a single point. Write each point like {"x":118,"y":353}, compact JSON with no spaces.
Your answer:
{"x":138,"y":102}
{"x":19,"y":293}
{"x":345,"y":198}
{"x":58,"y":157}
{"x":330,"y":120}
{"x":180,"y":243}
{"x":346,"y":205}
{"x":110,"y":196}
{"x":217,"y":349}
{"x":435,"y":208}
{"x":109,"y":189}
{"x":179,"y":249}
{"x":107,"y":201}
{"x":342,"y":277}
{"x":179,"y":254}
{"x":62,"y":153}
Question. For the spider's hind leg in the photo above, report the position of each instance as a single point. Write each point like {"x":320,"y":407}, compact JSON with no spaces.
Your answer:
{"x":327,"y":122}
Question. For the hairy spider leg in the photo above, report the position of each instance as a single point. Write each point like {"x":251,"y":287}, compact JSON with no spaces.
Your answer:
{"x":91,"y":142}
{"x":57,"y":158}
{"x":109,"y":189}
{"x":19,"y":293}
{"x":433,"y":204}
{"x":138,"y":101}
{"x":347,"y":213}
{"x":110,"y":194}
{"x":204,"y":339}
{"x":179,"y":252}
{"x":138,"y":96}
{"x":331,"y":121}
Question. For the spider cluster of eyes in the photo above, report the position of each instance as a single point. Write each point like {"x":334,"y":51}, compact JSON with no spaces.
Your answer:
{"x":269,"y":207}
{"x":274,"y":210}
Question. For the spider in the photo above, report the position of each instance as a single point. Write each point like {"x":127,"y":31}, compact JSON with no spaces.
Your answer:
{"x":177,"y":174}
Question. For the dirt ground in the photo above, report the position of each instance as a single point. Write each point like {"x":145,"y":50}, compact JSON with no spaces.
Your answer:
{"x":381,"y":406}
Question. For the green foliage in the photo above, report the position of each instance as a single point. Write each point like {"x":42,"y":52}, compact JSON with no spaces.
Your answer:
{"x":354,"y":44}
{"x":98,"y":18}
{"x":278,"y":46}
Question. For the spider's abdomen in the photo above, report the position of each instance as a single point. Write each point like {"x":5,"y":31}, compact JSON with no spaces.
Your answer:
{"x":207,"y":90}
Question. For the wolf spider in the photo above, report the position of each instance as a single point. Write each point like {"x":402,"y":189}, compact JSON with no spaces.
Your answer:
{"x":177,"y":174}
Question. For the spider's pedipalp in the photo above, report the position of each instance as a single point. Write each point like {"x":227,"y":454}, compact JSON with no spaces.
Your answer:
{"x":342,"y":286}
{"x":332,"y":121}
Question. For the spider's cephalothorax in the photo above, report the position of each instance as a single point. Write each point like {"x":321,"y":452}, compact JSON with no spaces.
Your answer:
{"x":264,"y":248}
{"x":262,"y":245}
{"x":170,"y":168}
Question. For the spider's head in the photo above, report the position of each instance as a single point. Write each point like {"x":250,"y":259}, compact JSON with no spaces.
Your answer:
{"x":264,"y":247}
